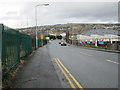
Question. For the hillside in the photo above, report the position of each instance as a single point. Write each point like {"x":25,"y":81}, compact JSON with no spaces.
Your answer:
{"x":71,"y":27}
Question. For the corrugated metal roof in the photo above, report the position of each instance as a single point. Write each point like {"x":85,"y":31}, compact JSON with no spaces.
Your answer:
{"x":101,"y":32}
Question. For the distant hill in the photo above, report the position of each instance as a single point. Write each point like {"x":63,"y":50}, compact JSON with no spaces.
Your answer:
{"x":71,"y":27}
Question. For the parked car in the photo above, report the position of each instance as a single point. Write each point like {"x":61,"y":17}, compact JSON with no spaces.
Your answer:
{"x":63,"y":44}
{"x":61,"y":41}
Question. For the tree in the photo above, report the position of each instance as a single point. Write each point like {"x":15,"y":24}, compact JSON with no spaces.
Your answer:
{"x":51,"y":36}
{"x":59,"y":37}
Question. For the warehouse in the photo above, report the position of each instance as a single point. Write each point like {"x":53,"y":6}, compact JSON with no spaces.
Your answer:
{"x":99,"y":37}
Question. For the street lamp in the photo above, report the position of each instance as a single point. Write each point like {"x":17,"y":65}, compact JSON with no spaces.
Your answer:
{"x":36,"y":21}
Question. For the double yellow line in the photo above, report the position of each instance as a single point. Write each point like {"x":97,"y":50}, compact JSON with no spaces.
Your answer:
{"x":65,"y":72}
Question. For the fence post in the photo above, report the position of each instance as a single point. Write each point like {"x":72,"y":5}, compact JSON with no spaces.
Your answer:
{"x":1,"y":41}
{"x":1,"y":30}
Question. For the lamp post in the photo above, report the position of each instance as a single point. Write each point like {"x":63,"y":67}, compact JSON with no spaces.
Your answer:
{"x":36,"y":21}
{"x":72,"y":37}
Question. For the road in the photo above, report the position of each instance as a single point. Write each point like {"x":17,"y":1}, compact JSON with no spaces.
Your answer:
{"x":91,"y":68}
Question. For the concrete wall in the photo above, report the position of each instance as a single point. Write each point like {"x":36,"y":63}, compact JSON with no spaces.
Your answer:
{"x":114,"y":46}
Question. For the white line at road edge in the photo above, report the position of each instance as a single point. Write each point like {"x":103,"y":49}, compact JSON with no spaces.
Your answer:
{"x":112,"y":61}
{"x":85,"y":54}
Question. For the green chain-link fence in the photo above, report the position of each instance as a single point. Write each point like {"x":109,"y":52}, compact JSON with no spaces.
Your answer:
{"x":25,"y":45}
{"x":42,"y":42}
{"x":13,"y":46}
{"x":34,"y":43}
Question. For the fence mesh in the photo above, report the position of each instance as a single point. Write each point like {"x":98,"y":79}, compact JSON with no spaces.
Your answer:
{"x":25,"y":45}
{"x":15,"y":45}
{"x":42,"y":42}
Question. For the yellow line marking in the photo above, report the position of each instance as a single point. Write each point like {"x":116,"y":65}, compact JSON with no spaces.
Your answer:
{"x":72,"y":85}
{"x":70,"y":75}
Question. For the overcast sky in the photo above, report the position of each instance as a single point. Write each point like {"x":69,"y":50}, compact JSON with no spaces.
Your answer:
{"x":21,"y":13}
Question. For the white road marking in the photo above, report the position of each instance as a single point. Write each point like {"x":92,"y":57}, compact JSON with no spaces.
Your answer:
{"x":85,"y":54}
{"x":112,"y":61}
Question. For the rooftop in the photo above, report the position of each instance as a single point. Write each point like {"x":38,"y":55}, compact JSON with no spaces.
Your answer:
{"x":101,"y":32}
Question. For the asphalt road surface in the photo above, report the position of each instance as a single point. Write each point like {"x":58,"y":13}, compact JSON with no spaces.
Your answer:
{"x":37,"y":72}
{"x":91,"y":68}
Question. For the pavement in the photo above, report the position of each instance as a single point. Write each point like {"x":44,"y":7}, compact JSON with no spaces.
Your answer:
{"x":38,"y":72}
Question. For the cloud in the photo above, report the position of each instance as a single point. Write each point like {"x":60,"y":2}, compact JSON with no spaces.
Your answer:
{"x":58,"y":12}
{"x":82,"y":12}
